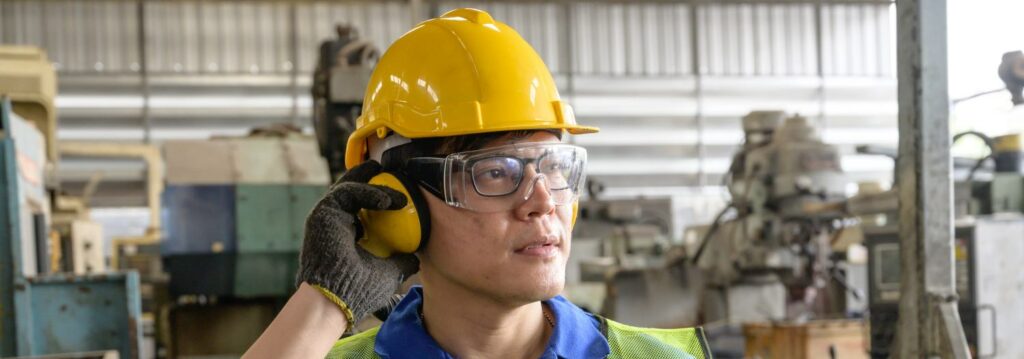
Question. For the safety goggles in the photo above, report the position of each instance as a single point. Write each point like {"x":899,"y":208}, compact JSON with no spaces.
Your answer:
{"x":501,"y":178}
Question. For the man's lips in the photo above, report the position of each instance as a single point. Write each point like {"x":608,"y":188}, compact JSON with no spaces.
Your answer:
{"x":543,"y":246}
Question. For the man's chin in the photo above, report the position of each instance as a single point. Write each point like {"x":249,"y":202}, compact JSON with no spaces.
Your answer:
{"x":543,"y":291}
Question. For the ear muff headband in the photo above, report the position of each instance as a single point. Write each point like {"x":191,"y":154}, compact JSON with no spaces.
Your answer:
{"x":404,"y":230}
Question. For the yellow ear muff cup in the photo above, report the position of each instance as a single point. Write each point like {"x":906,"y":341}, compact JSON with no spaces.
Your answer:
{"x":575,"y":213}
{"x":403,"y":230}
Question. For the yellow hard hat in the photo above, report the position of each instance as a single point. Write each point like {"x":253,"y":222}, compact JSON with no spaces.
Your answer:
{"x":462,"y":73}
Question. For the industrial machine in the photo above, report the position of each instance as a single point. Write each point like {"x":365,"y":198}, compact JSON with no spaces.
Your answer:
{"x":47,"y":306}
{"x":1011,"y":71}
{"x":1002,"y":189}
{"x":988,"y":240}
{"x":773,"y":259}
{"x":342,"y":73}
{"x":775,"y":253}
{"x":618,"y":261}
{"x":29,"y":82}
{"x":988,"y":293}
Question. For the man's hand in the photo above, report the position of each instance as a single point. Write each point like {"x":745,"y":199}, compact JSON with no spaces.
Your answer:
{"x":331,"y":260}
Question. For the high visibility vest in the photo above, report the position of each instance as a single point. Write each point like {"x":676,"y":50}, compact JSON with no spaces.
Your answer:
{"x":625,"y":342}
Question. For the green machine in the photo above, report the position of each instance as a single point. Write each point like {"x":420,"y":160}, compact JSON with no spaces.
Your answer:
{"x":1006,"y":192}
{"x":270,"y":236}
{"x":1003,"y":192}
{"x":239,"y":240}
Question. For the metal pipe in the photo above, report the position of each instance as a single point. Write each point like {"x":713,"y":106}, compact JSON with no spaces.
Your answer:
{"x":148,"y":153}
{"x":929,"y":324}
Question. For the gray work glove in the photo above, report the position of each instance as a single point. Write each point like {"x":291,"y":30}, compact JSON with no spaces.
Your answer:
{"x":331,"y":260}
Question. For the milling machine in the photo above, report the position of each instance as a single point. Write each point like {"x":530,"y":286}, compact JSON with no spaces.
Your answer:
{"x":772,"y":259}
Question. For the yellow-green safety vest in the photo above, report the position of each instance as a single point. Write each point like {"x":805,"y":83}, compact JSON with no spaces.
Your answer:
{"x":625,"y":342}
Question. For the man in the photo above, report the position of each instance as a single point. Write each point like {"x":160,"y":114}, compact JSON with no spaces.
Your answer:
{"x":461,"y":140}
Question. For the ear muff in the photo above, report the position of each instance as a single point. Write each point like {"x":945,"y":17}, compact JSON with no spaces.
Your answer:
{"x":407,"y":229}
{"x":575,"y":213}
{"x":404,"y":230}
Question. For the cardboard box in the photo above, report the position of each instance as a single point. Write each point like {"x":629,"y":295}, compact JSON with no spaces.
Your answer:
{"x":815,"y":339}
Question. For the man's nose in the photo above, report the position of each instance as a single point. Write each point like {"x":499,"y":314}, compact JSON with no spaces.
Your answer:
{"x":538,"y":200}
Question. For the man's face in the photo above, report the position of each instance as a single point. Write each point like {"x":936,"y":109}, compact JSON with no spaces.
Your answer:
{"x":515,"y":256}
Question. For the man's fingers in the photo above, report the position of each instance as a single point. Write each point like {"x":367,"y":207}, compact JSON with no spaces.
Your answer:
{"x":397,"y":200}
{"x":361,"y":173}
{"x":352,"y":197}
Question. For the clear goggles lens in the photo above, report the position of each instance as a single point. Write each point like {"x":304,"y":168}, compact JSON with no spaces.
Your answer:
{"x":501,"y":178}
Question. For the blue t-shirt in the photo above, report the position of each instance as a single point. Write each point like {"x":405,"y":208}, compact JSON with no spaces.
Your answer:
{"x":576,"y":334}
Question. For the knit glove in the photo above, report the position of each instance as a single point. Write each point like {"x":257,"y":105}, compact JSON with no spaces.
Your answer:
{"x":331,"y":261}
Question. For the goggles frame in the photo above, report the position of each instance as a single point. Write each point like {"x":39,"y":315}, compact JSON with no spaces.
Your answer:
{"x":434,"y":173}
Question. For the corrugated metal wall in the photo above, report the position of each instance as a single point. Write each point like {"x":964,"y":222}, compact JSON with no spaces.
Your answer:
{"x":666,"y":81}
{"x":616,"y":39}
{"x":191,"y":37}
{"x":78,"y":36}
{"x":217,"y":37}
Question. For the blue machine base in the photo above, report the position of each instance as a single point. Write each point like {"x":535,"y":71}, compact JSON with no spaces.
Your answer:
{"x":67,"y":314}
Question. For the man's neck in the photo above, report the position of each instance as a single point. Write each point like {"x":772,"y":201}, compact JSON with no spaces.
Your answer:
{"x":469,"y":326}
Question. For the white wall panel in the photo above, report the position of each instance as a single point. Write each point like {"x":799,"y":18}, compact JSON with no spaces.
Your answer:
{"x":858,"y":40}
{"x":758,"y":39}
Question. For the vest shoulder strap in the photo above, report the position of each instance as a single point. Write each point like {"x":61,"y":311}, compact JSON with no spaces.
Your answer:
{"x":359,"y":346}
{"x":632,"y":342}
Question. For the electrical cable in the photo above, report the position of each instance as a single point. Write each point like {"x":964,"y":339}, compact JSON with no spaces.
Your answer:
{"x":981,"y":161}
{"x":974,"y":96}
{"x":718,"y":218}
{"x":711,"y":231}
